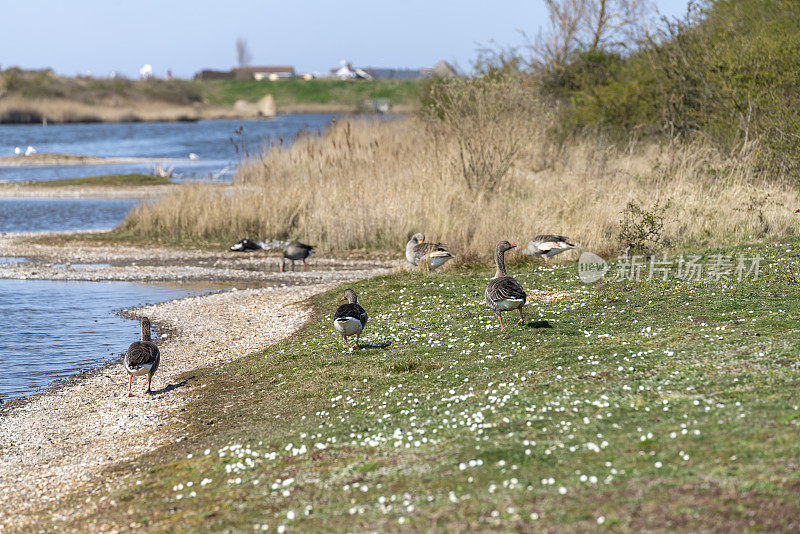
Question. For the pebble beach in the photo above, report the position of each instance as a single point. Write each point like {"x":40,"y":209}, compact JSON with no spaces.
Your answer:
{"x":55,"y":441}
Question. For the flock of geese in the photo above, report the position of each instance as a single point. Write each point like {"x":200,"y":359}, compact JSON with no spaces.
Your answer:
{"x":503,"y":293}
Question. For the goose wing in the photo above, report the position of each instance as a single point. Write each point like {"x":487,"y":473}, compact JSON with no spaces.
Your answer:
{"x":351,"y":310}
{"x":549,"y":241}
{"x":434,"y":249}
{"x":504,"y":288}
{"x":142,"y":353}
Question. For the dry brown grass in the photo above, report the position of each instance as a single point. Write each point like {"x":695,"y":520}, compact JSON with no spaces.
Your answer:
{"x":371,"y":185}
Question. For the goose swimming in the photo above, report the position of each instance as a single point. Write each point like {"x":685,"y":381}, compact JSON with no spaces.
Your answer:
{"x":504,"y":293}
{"x":417,"y":250}
{"x":350,"y":319}
{"x":142,"y":358}
{"x":296,"y":251}
{"x":546,"y":245}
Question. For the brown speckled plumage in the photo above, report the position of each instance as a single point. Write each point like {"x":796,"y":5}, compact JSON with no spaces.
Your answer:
{"x":503,"y":292}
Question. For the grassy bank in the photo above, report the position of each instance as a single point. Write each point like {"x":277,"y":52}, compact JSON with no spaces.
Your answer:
{"x":108,"y":180}
{"x":631,"y":404}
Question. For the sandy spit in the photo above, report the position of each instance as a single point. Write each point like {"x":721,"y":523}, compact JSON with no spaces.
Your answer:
{"x":53,"y":443}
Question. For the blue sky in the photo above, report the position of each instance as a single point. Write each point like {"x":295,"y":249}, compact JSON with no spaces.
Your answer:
{"x":100,"y":36}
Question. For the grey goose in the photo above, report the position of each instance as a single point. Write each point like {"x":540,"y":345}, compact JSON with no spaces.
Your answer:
{"x":417,"y":250}
{"x":350,"y":319}
{"x":142,"y":358}
{"x":546,"y":245}
{"x":296,"y":251}
{"x":504,"y":293}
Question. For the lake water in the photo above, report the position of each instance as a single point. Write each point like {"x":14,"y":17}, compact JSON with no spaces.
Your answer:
{"x":55,"y":329}
{"x":214,"y":142}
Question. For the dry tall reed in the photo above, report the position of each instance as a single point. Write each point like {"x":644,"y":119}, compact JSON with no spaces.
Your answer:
{"x":371,"y":185}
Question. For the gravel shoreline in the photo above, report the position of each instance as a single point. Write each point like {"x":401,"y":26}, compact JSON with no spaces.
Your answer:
{"x":54,"y":442}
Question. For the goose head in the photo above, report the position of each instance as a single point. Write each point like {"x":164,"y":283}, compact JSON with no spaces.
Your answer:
{"x":349,"y":296}
{"x":504,"y":246}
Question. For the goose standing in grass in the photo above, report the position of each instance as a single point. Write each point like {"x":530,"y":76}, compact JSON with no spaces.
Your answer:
{"x":296,"y":251}
{"x":350,"y":318}
{"x":417,"y":251}
{"x":546,"y":245}
{"x":504,"y":293}
{"x":142,"y":358}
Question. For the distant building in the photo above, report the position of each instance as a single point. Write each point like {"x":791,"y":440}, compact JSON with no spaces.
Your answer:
{"x":347,"y":72}
{"x":146,"y":71}
{"x":208,"y":74}
{"x":441,"y":70}
{"x":263,"y":72}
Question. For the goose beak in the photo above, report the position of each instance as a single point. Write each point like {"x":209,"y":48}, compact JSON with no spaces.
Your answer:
{"x":343,"y":298}
{"x":797,"y":210}
{"x":512,"y":245}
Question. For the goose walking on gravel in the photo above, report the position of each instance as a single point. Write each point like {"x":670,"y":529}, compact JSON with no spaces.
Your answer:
{"x":417,"y":251}
{"x":296,"y":251}
{"x":504,"y":293}
{"x":142,"y":358}
{"x":546,"y":245}
{"x":350,"y":319}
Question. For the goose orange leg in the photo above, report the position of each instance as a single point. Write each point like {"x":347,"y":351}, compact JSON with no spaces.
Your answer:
{"x":149,"y":380}
{"x":521,"y":317}
{"x":130,"y":386}
{"x":499,"y":318}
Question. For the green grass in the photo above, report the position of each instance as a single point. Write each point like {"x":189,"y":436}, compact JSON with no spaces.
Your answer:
{"x":643,"y":405}
{"x":108,"y":180}
{"x":319,"y":91}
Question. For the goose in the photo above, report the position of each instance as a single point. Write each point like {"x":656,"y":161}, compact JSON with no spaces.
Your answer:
{"x":142,"y":358}
{"x":546,"y":245}
{"x":504,"y":293}
{"x":350,"y":318}
{"x":417,"y":250}
{"x":296,"y":251}
{"x":247,"y":245}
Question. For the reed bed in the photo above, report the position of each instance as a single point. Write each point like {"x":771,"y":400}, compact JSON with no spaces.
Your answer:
{"x":370,"y":185}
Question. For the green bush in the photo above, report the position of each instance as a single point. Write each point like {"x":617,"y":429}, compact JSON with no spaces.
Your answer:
{"x":727,"y":72}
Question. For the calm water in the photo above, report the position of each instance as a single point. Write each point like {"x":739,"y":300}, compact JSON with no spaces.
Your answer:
{"x":210,"y":140}
{"x":55,"y":329}
{"x":47,"y":215}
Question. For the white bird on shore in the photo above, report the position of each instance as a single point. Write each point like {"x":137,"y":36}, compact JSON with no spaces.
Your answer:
{"x":17,"y":151}
{"x":142,"y":358}
{"x":193,"y":156}
{"x":30,"y":150}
